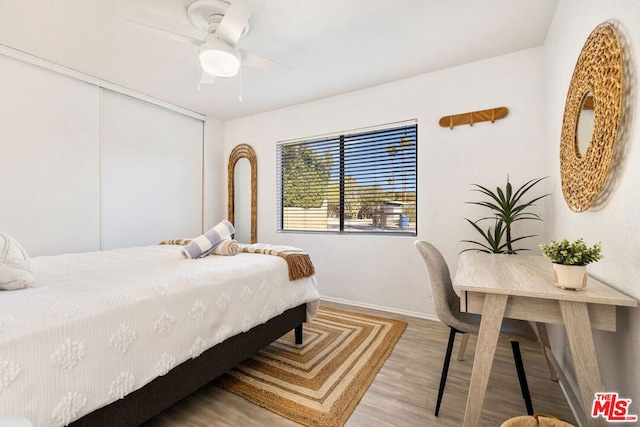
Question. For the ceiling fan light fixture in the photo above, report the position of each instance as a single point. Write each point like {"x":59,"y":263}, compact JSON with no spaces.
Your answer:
{"x":219,"y":59}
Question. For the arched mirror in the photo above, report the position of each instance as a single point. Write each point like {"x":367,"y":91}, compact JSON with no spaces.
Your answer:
{"x":242,"y":193}
{"x":592,"y":117}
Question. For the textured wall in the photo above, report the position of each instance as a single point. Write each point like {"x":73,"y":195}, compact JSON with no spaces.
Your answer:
{"x":615,"y":221}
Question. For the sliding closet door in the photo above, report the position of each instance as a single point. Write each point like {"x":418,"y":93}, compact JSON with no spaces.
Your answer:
{"x":151,"y":169}
{"x":49,"y":180}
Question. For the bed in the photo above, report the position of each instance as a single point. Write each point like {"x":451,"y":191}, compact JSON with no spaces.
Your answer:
{"x":115,"y":337}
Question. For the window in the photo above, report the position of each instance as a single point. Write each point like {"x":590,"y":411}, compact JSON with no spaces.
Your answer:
{"x":361,"y":182}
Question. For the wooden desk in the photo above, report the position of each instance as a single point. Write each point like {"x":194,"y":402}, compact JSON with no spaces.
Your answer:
{"x":521,"y":287}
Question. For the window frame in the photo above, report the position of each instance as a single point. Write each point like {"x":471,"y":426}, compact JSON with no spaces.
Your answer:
{"x":342,"y":138}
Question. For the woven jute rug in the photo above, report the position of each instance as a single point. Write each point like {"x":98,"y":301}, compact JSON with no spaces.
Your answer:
{"x":320,"y":382}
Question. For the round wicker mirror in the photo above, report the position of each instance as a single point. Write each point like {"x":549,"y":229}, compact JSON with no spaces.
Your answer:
{"x":599,"y":74}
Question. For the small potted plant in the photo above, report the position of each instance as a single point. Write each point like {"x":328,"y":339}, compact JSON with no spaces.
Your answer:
{"x":570,"y":261}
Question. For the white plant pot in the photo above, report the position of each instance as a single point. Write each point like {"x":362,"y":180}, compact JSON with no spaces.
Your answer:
{"x":570,"y":276}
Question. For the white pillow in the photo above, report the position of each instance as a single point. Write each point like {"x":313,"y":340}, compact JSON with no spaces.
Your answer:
{"x":15,"y":267}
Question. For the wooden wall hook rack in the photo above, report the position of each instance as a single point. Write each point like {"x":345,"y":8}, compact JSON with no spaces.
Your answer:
{"x":491,"y":114}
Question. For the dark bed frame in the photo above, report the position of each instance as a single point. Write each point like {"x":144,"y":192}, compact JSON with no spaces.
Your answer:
{"x":161,"y":393}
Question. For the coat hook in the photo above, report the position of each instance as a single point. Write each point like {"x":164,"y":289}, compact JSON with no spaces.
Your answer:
{"x":470,"y":118}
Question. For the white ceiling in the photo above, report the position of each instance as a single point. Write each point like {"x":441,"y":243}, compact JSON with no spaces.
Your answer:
{"x":332,"y":46}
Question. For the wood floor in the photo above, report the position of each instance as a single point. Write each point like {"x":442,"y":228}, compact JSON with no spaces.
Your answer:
{"x":405,"y":390}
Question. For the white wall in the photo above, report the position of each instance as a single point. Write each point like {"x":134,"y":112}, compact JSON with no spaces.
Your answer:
{"x":386,"y":271}
{"x":215,"y":173}
{"x":616,"y":222}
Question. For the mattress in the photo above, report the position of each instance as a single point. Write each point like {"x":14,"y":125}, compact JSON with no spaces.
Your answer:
{"x":100,"y":325}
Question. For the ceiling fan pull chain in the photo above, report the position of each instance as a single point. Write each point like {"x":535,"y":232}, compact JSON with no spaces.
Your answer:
{"x":240,"y":84}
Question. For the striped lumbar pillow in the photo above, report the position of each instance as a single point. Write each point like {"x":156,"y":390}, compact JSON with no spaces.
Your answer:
{"x":201,"y":245}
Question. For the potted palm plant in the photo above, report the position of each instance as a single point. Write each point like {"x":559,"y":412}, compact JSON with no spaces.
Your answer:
{"x":507,"y":206}
{"x":570,"y":261}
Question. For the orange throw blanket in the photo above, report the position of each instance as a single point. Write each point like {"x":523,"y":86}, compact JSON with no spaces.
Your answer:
{"x":299,"y":262}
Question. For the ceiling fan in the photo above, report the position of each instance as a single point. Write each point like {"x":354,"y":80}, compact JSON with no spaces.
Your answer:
{"x":219,"y":25}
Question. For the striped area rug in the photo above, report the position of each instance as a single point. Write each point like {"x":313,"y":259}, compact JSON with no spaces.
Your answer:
{"x":320,"y":382}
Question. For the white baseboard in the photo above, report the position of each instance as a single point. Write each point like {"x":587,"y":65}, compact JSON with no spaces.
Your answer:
{"x":573,"y":400}
{"x":380,"y":308}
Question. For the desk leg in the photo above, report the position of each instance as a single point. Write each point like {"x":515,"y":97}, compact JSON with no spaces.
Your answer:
{"x":579,"y":335}
{"x":546,"y":349}
{"x":492,"y":314}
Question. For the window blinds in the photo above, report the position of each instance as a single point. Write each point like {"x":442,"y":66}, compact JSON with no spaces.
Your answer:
{"x":360,"y":182}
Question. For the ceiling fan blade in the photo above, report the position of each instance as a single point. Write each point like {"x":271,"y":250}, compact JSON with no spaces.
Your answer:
{"x":235,"y":20}
{"x":256,"y":61}
{"x":206,"y":78}
{"x":184,"y":38}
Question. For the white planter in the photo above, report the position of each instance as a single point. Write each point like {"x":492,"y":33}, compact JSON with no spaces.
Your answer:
{"x":570,"y":276}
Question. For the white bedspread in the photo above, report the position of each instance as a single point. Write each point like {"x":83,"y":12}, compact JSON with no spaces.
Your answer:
{"x":99,"y":325}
